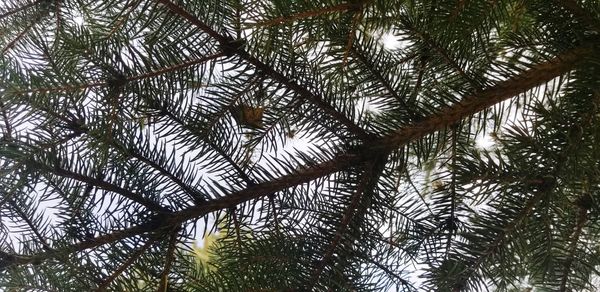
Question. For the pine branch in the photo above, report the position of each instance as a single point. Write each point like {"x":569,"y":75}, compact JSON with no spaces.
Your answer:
{"x":452,"y":222}
{"x":223,"y":112}
{"x":459,"y":8}
{"x":164,"y":221}
{"x":157,"y":224}
{"x":529,"y":79}
{"x":389,"y":272}
{"x":351,"y":35}
{"x":7,"y":195}
{"x":150,"y":204}
{"x":241,"y":173}
{"x":158,"y":72}
{"x":193,"y":194}
{"x":582,"y":218}
{"x":22,"y":34}
{"x":170,"y":257}
{"x":232,"y":47}
{"x":442,"y":52}
{"x":275,"y":218}
{"x":308,"y":95}
{"x":130,"y":6}
{"x":223,"y":40}
{"x":65,"y":88}
{"x":27,"y":288}
{"x":238,"y":19}
{"x":73,"y":206}
{"x":116,"y":273}
{"x":536,"y":76}
{"x":19,"y":9}
{"x":8,"y":129}
{"x":30,"y":223}
{"x":176,"y":67}
{"x":57,"y":13}
{"x":573,"y":7}
{"x":384,"y":81}
{"x":236,"y":226}
{"x":343,"y":7}
{"x":493,"y":247}
{"x":360,"y":190}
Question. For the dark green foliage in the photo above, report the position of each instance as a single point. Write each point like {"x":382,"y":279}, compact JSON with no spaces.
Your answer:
{"x":334,"y":145}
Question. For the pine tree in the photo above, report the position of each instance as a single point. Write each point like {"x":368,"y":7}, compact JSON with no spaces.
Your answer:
{"x":333,"y":144}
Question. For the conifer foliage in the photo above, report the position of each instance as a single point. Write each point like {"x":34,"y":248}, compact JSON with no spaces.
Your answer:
{"x":334,"y":145}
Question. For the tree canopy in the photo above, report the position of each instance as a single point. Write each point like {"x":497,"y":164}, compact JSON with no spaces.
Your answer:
{"x":360,"y":145}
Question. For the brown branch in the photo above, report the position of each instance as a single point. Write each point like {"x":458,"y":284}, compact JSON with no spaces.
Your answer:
{"x":343,"y":226}
{"x":456,"y":12}
{"x":65,"y":88}
{"x":57,"y":12}
{"x":19,"y":9}
{"x":164,"y":278}
{"x":73,"y":205}
{"x":23,"y":287}
{"x":195,"y":195}
{"x":306,"y":14}
{"x":532,"y":78}
{"x":236,"y":224}
{"x":388,"y":271}
{"x":238,"y":19}
{"x":8,"y":197}
{"x":535,"y":76}
{"x":102,"y":287}
{"x":275,"y":219}
{"x":8,"y":260}
{"x":452,"y":222}
{"x":341,"y":162}
{"x":150,"y":204}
